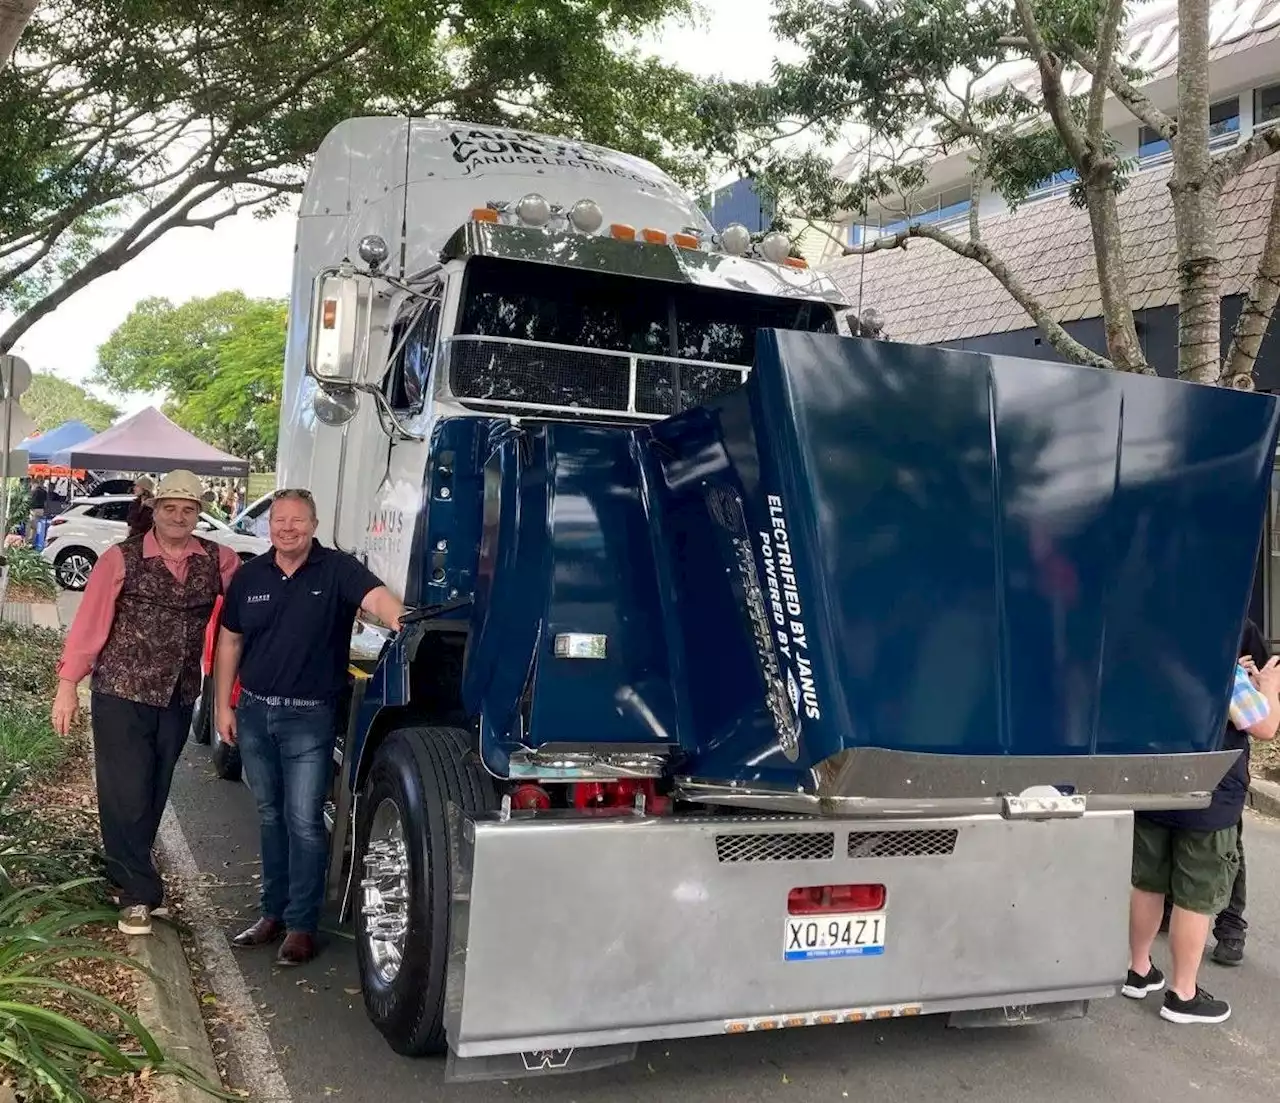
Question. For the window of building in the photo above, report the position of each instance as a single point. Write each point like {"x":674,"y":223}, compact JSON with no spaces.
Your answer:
{"x":1224,"y":130}
{"x":1056,"y":184}
{"x":1266,"y":105}
{"x":943,"y":208}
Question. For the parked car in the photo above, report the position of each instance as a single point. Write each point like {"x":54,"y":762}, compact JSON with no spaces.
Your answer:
{"x":254,"y":519}
{"x":88,"y":526}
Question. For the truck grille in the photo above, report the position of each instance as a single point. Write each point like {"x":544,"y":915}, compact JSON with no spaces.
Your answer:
{"x":529,"y":375}
{"x":807,"y":847}
{"x":902,"y":844}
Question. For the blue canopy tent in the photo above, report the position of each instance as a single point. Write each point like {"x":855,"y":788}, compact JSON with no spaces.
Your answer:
{"x":41,"y":449}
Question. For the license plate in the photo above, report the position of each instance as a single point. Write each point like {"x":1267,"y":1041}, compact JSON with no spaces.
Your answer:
{"x":823,"y":936}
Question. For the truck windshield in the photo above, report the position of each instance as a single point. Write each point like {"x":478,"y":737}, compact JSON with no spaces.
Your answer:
{"x":607,"y":328}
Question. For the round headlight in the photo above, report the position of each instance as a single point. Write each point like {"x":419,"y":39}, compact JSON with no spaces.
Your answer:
{"x":373,"y":251}
{"x":585,"y":215}
{"x":335,"y":406}
{"x":735,"y":238}
{"x":776,"y":247}
{"x":533,"y":210}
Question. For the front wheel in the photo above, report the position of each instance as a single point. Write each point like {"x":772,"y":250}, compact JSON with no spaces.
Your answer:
{"x":72,"y":567}
{"x":403,"y":864}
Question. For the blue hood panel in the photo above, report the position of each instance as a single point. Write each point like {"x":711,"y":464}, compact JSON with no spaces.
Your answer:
{"x":874,"y":545}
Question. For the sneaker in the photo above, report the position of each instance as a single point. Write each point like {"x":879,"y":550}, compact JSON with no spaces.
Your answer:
{"x":135,"y":920}
{"x":1229,"y":951}
{"x":1201,"y":1008}
{"x":1138,"y":987}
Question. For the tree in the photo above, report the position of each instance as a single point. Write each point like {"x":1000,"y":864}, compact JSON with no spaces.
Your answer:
{"x":889,"y":66}
{"x":51,"y":402}
{"x":220,"y":361}
{"x":121,"y":120}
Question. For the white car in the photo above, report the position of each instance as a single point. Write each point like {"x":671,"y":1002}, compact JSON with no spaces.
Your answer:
{"x":89,"y":526}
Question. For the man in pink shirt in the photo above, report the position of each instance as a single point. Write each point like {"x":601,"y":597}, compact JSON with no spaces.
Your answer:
{"x":140,"y":632}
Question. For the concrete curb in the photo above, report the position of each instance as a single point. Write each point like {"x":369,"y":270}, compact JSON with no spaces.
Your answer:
{"x":1264,"y":797}
{"x":251,"y":1043}
{"x":167,"y":1007}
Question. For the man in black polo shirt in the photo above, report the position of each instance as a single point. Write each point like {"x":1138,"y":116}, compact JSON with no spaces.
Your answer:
{"x":286,"y":633}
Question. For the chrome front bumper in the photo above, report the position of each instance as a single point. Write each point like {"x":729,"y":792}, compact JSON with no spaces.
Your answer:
{"x":572,"y":931}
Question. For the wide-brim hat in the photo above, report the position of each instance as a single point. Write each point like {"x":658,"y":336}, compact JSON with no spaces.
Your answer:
{"x":182,"y":486}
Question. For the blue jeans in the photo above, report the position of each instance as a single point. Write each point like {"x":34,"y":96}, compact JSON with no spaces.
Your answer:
{"x":288,"y":762}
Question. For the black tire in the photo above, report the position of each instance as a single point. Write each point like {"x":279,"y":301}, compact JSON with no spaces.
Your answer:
{"x":71,"y":567}
{"x":423,"y":770}
{"x":226,"y":759}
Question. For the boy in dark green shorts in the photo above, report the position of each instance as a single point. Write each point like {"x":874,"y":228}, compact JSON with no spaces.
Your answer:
{"x":1191,"y":857}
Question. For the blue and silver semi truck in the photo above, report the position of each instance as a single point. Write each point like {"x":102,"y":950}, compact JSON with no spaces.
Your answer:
{"x":758,"y":676}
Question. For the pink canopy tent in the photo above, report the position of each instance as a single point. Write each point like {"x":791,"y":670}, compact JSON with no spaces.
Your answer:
{"x":149,"y":441}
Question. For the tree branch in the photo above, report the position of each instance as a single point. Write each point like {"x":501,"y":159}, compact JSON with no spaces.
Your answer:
{"x":1108,"y":33}
{"x":1059,"y":338}
{"x":1138,"y":104}
{"x":977,"y":251}
{"x":1233,"y":162}
{"x":175,"y":212}
{"x":1055,"y":96}
{"x":1255,"y":317}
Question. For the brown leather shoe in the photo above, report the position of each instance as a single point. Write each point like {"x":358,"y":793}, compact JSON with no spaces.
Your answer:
{"x":262,"y":933}
{"x":297,"y":948}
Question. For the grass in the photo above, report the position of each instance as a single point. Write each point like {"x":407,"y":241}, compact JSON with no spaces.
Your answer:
{"x":27,"y":738}
{"x":29,"y":574}
{"x":68,"y":987}
{"x":28,"y":657}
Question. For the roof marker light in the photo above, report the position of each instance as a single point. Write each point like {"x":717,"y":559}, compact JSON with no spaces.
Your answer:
{"x":776,"y":247}
{"x":533,"y":210}
{"x":686,"y":241}
{"x":796,"y":262}
{"x":484,"y":214}
{"x":654,"y":237}
{"x":622,"y":231}
{"x":585,"y":215}
{"x":735,"y":239}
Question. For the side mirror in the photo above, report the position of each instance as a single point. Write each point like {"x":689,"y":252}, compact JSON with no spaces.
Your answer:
{"x":340,"y":309}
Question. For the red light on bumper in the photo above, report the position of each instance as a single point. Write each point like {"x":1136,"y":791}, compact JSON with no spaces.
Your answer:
{"x":820,"y":899}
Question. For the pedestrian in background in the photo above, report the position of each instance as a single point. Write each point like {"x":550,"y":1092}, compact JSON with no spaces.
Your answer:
{"x":140,"y":510}
{"x":140,"y":632}
{"x":39,"y":503}
{"x":1192,"y":856}
{"x":286,"y":633}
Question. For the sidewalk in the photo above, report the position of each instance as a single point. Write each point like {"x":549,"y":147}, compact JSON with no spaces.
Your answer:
{"x":39,"y":616}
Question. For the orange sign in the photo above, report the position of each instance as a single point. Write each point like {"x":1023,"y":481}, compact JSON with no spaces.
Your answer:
{"x":47,"y":471}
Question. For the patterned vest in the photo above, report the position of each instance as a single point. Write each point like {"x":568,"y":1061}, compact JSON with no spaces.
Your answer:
{"x":157,"y":637}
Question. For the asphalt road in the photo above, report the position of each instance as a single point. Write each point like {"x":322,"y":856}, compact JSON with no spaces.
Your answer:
{"x":326,"y":1047}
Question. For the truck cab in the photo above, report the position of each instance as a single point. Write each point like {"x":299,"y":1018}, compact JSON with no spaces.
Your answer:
{"x":755,"y":676}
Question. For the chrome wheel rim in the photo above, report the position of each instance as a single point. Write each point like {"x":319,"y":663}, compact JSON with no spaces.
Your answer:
{"x":384,"y":891}
{"x":75,"y":571}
